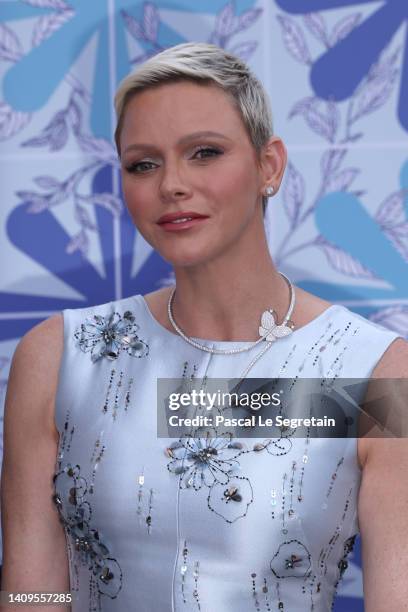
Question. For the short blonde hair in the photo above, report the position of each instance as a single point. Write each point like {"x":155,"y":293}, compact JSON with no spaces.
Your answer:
{"x":203,"y":63}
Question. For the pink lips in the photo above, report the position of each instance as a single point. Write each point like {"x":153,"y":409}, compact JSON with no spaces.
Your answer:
{"x":181,"y":214}
{"x":181,"y":225}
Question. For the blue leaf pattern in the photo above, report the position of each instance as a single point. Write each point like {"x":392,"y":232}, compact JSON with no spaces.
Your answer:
{"x":294,"y":40}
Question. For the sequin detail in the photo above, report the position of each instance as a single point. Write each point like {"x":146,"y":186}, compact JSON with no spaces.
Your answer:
{"x":202,"y":461}
{"x":109,"y":336}
{"x":212,"y":463}
{"x":76,"y":516}
{"x":146,"y":512}
{"x":189,"y":579}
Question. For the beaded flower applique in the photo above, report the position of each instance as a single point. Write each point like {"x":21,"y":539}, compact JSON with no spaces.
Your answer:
{"x":108,"y":336}
{"x":211,"y":463}
{"x":75,"y":514}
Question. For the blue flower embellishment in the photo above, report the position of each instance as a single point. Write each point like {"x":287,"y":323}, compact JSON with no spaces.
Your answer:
{"x":203,"y":460}
{"x":75,"y":514}
{"x":109,"y":336}
{"x":354,"y":49}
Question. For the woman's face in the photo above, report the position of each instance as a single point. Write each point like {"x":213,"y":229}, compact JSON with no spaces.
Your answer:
{"x":167,"y":167}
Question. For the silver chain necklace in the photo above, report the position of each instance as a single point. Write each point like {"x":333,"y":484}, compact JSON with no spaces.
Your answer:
{"x":269,"y":331}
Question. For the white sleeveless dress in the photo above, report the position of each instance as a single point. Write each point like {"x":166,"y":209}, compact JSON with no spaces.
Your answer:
{"x":151,"y":524}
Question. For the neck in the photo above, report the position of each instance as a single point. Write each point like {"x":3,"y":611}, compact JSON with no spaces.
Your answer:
{"x":223,"y":299}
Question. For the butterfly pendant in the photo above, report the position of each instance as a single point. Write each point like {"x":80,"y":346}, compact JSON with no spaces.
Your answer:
{"x":270,"y":330}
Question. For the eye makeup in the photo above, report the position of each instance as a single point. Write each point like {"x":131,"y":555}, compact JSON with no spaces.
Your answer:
{"x":134,"y":167}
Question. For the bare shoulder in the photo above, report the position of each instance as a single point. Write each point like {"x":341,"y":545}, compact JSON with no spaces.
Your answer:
{"x":310,"y":306}
{"x":34,"y":370}
{"x":40,"y":349}
{"x":393,"y":364}
{"x":310,"y":300}
{"x":394,"y":361}
{"x":49,"y":331}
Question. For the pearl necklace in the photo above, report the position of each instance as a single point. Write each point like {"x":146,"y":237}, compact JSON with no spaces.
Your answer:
{"x":268,"y":330}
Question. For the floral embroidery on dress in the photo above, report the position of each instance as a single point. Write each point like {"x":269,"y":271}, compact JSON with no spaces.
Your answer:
{"x":109,"y":336}
{"x":275,"y":447}
{"x":348,"y":547}
{"x":204,"y":460}
{"x":231,"y":502}
{"x":291,"y":560}
{"x":75,"y":514}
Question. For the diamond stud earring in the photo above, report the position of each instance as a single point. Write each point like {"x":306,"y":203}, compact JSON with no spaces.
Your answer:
{"x":269,"y":190}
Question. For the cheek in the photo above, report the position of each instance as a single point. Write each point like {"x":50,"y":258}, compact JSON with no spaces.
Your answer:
{"x":136,"y":198}
{"x":233,"y":192}
{"x":236,"y":179}
{"x":130,"y":191}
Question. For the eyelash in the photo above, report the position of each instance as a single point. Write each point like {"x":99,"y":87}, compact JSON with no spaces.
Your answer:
{"x":132,"y":168}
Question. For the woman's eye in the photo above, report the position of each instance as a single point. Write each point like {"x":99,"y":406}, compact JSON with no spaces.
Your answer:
{"x":144,"y":166}
{"x":139,"y":167}
{"x":210,"y":150}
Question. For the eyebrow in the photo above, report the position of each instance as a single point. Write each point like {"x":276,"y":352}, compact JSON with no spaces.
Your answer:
{"x":183,"y":140}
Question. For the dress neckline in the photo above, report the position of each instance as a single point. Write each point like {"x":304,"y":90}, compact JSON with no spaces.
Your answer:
{"x":231,"y":343}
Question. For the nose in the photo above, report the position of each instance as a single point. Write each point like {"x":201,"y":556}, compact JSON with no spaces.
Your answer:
{"x":173,"y":184}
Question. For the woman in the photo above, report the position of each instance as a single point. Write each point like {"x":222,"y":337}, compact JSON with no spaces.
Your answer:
{"x":192,"y":524}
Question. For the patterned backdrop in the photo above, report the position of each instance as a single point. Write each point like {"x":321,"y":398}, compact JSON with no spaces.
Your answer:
{"x":337,"y":75}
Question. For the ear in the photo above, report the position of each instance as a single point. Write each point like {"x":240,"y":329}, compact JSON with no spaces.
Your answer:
{"x":273,"y":161}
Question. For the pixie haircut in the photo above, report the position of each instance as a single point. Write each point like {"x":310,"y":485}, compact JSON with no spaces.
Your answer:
{"x":203,"y":63}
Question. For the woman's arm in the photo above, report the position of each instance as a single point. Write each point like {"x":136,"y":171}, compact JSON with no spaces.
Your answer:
{"x":383,"y":506}
{"x":34,"y":546}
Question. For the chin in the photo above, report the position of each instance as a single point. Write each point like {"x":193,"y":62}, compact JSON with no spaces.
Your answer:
{"x":183,"y":260}
{"x":180,"y":252}
{"x":185,"y":255}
